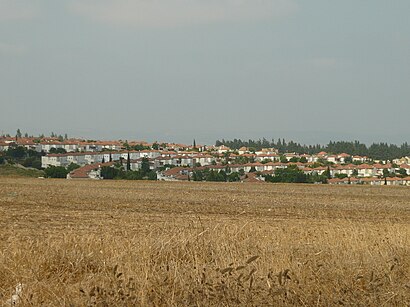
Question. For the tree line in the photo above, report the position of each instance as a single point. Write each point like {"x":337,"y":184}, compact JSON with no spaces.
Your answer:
{"x":377,"y":151}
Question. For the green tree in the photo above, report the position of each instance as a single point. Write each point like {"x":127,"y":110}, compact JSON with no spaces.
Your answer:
{"x":294,"y":160}
{"x":128,"y":162}
{"x":197,"y":176}
{"x":234,"y":177}
{"x":72,"y":167}
{"x":57,"y":151}
{"x":291,"y":174}
{"x":341,"y":176}
{"x":33,"y":162}
{"x":152,"y":175}
{"x":56,"y":172}
{"x":16,"y":152}
{"x":303,"y":160}
{"x":386,"y":173}
{"x":145,"y":169}
{"x":108,"y":172}
{"x":327,"y":173}
{"x":283,"y":159}
{"x":18,"y":134}
{"x":402,"y":172}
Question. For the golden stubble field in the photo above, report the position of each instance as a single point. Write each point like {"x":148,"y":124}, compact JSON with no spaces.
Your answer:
{"x":130,"y":243}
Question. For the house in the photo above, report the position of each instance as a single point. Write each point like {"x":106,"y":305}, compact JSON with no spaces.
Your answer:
{"x":365,"y":170}
{"x":243,"y":150}
{"x":348,"y":180}
{"x":203,"y":159}
{"x":289,"y":156}
{"x":222,"y":149}
{"x":91,"y":171}
{"x":343,"y":157}
{"x":406,"y":167}
{"x":359,"y":159}
{"x":54,"y":160}
{"x":373,"y":181}
{"x":271,"y":156}
{"x":174,"y":174}
{"x":332,"y":159}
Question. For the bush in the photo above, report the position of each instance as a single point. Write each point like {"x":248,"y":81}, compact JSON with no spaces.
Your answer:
{"x":2,"y":160}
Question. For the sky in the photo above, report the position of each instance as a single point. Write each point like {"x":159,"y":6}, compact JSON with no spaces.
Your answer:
{"x":178,"y":70}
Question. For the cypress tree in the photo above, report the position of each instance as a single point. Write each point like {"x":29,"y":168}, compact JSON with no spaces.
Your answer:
{"x":128,"y":162}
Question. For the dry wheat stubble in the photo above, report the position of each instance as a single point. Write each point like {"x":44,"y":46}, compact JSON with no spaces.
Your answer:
{"x":127,"y":243}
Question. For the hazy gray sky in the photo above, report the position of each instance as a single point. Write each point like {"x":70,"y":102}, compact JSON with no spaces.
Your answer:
{"x":175,"y":70}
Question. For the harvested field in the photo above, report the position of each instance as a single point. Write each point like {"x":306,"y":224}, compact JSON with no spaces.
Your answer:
{"x":126,"y":243}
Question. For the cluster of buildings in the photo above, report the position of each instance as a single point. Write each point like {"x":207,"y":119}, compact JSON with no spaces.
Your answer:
{"x":178,"y":161}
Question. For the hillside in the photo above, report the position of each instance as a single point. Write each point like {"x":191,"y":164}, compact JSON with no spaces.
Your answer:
{"x":19,"y":171}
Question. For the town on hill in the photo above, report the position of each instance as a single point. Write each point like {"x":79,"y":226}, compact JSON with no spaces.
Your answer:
{"x":72,"y":158}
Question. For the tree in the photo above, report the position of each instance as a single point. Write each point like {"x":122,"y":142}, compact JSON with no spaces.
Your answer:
{"x":126,"y":145}
{"x":16,"y":152}
{"x":57,"y":151}
{"x":108,"y":172}
{"x":303,"y":160}
{"x":386,"y":173}
{"x":128,"y":162}
{"x":34,"y":162}
{"x":18,"y":134}
{"x":402,"y":172}
{"x":234,"y":177}
{"x":56,"y":172}
{"x":145,"y":169}
{"x":155,"y":146}
{"x":72,"y":167}
{"x":283,"y":159}
{"x":291,"y":174}
{"x":152,"y":175}
{"x":197,"y":176}
{"x":327,"y":173}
